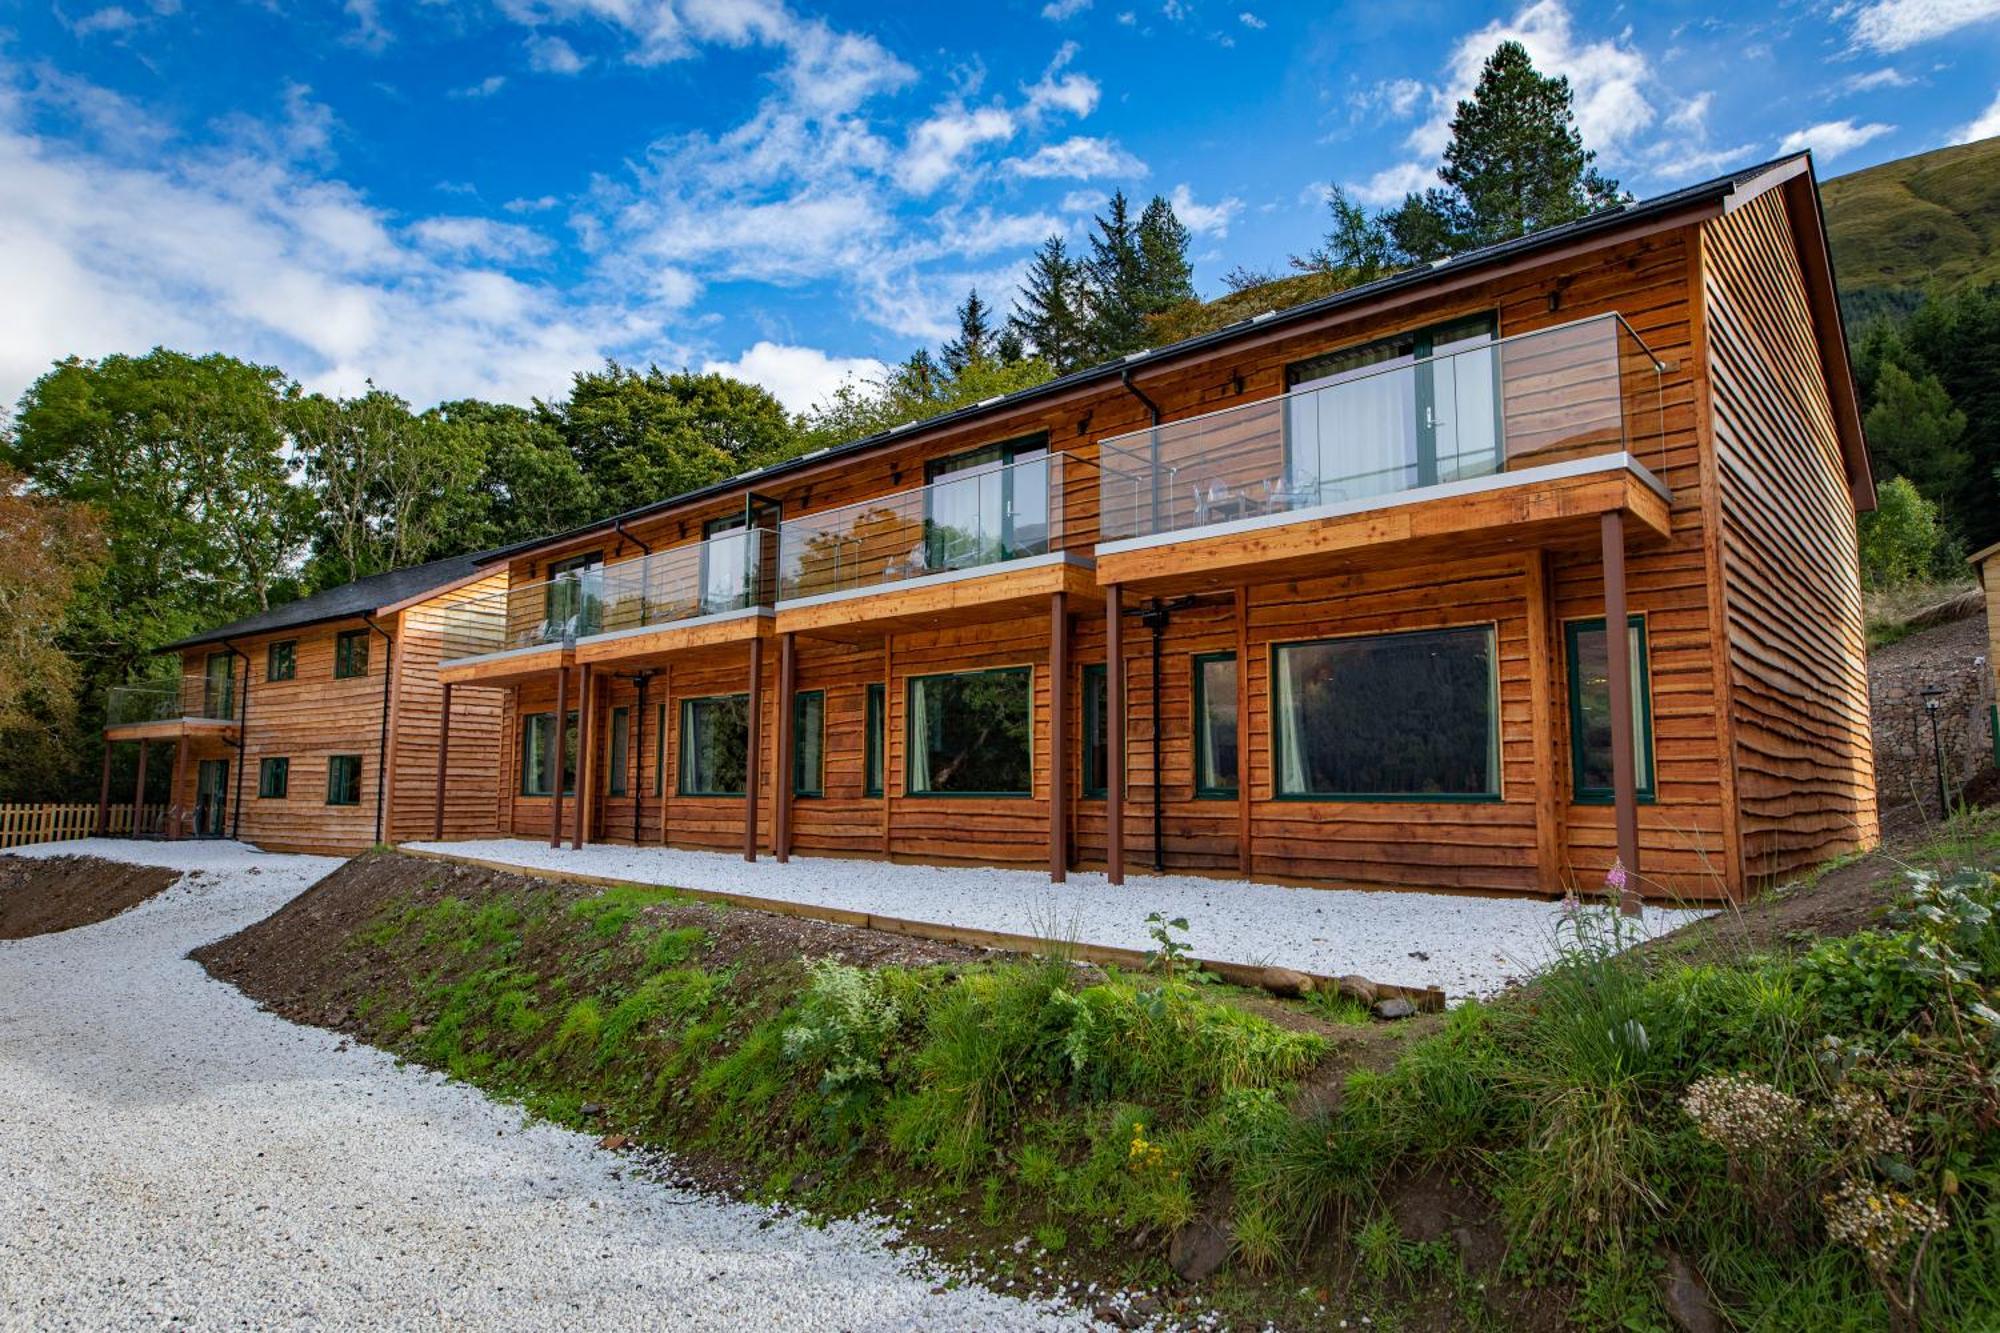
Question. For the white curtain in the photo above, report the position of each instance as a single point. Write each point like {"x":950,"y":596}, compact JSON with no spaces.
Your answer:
{"x":1355,"y":434}
{"x":917,"y":734}
{"x":1291,"y":747}
{"x":1465,"y":411}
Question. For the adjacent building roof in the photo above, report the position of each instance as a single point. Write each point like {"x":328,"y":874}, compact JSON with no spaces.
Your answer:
{"x":376,"y":593}
{"x":1724,"y":191}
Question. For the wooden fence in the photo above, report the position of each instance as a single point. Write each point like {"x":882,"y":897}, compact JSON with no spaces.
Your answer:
{"x":21,"y":825}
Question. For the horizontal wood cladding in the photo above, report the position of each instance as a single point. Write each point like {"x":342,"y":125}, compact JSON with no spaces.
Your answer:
{"x":1791,"y":583}
{"x":415,"y":729}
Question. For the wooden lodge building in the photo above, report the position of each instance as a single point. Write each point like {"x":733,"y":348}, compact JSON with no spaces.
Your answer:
{"x":1320,"y":597}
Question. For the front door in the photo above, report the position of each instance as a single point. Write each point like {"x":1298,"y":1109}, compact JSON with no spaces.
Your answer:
{"x":211,"y":795}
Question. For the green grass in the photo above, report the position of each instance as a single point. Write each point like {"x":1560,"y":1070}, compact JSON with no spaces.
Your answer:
{"x":1902,"y":226}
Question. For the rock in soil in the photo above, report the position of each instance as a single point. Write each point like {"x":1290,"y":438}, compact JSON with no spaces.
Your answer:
{"x":1396,"y":1008}
{"x":1198,"y":1249}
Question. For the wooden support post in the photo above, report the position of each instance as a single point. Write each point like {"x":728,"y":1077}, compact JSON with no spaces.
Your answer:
{"x":889,"y":777}
{"x":1544,"y":721}
{"x":1618,"y":663}
{"x":139,"y":794}
{"x":1058,"y":737}
{"x":783,"y":786}
{"x":1245,"y":862}
{"x":560,"y":740}
{"x":669,"y":771}
{"x":104,"y":796}
{"x":586,"y":770}
{"x":756,"y":739}
{"x":1114,"y":734}
{"x":174,"y":796}
{"x":444,"y":753}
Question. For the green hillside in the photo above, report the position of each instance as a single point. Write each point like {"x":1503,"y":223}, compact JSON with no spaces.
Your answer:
{"x":1897,"y":227}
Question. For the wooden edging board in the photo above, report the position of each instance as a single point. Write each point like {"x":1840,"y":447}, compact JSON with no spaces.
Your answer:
{"x":1426,"y":999}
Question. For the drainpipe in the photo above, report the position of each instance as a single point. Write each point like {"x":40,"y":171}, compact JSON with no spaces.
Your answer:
{"x":242,"y":740}
{"x":382,"y":739}
{"x":1153,"y":439}
{"x":1156,"y":615}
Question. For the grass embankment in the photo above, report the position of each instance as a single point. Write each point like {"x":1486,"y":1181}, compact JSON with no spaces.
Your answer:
{"x":1806,"y":1120}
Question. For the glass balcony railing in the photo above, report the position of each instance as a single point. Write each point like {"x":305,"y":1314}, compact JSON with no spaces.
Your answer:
{"x":723,"y":573}
{"x":212,"y":698}
{"x":1582,"y":389}
{"x":978,"y":516}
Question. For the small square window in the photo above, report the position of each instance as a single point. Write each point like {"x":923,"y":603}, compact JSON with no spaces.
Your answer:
{"x":343,"y":779}
{"x":274,"y":776}
{"x":281,"y":660}
{"x":350,"y":654}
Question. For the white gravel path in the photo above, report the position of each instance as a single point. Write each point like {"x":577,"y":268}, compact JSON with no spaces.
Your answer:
{"x":1466,"y":945}
{"x":171,"y":1157}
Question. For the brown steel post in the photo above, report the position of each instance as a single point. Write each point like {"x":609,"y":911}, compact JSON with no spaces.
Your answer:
{"x":1244,"y":859}
{"x":139,"y":792}
{"x":755,"y":743}
{"x":783,"y":791}
{"x":556,"y":756}
{"x":104,"y":796}
{"x":1114,"y":735}
{"x":1618,"y":664}
{"x":174,"y":796}
{"x":586,"y":771}
{"x":444,"y":751}
{"x":1058,"y":737}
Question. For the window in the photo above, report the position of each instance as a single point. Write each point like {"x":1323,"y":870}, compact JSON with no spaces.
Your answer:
{"x":1590,"y":710}
{"x":343,"y":779}
{"x":281,"y":660}
{"x":218,"y":686}
{"x":969,"y":734}
{"x":873,"y":765}
{"x":274,"y":776}
{"x":573,"y":599}
{"x":616,"y":783}
{"x":730,"y":560}
{"x":350,"y":654}
{"x":660,"y":753}
{"x":1096,"y":762}
{"x":715,"y":745}
{"x":809,"y":743}
{"x":987,"y":504}
{"x":537,"y":743}
{"x":1387,"y":717}
{"x":1215,"y":725}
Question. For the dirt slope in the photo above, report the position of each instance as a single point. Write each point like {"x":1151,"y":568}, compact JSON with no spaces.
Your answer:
{"x":41,"y":895}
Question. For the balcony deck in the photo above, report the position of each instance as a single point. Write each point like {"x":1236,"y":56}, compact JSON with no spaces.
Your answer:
{"x":953,"y":597}
{"x":636,"y":643}
{"x":196,"y":707}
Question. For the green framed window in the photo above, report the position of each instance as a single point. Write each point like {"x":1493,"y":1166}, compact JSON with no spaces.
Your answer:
{"x":1410,"y":716}
{"x":1215,"y":746}
{"x":715,"y":745}
{"x":538,"y":738}
{"x":875,"y":739}
{"x":343,"y":779}
{"x":809,"y":743}
{"x":1096,"y":751}
{"x":274,"y":777}
{"x":1590,"y":710}
{"x":619,"y":753}
{"x":350,"y":654}
{"x":281,"y":660}
{"x":970,"y":733}
{"x":660,"y":751}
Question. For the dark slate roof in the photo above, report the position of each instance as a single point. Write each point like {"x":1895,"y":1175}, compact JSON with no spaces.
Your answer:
{"x":361,"y":597}
{"x":1610,"y":220}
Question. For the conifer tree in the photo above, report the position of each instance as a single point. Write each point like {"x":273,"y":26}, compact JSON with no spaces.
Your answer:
{"x":1115,"y":276}
{"x":1051,"y":311}
{"x":1166,"y":278}
{"x":975,"y":340}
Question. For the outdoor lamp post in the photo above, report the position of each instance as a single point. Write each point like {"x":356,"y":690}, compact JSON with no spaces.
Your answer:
{"x":1933,"y":697}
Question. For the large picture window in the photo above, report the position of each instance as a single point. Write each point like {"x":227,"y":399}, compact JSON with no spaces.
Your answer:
{"x":969,"y":734}
{"x":1215,"y":725}
{"x":1410,"y":716}
{"x":1590,"y":710}
{"x":538,"y":738}
{"x":873,"y":764}
{"x":809,"y":743}
{"x":715,"y":745}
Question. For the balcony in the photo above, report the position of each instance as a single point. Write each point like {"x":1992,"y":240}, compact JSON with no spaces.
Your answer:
{"x":974,"y":541}
{"x":1503,"y":444}
{"x":196,"y":703}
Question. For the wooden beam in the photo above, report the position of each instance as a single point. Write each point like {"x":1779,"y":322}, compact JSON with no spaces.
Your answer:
{"x":1543,"y":711}
{"x":139,"y":793}
{"x":888,"y":699}
{"x":1058,"y":737}
{"x":1618,"y":662}
{"x":1114,"y":728}
{"x":556,"y":756}
{"x":781,"y":795}
{"x":104,"y":796}
{"x":1245,"y":860}
{"x":174,"y":796}
{"x":586,"y":769}
{"x":444,"y":754}
{"x":669,"y":769}
{"x":750,"y":765}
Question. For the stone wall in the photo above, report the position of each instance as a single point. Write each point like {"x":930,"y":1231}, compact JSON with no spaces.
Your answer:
{"x":1953,"y":658}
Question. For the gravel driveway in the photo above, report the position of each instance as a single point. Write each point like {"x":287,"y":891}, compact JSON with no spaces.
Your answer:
{"x":172,"y":1157}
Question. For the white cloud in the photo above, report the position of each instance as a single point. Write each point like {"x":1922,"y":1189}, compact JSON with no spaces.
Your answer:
{"x":1061,"y":89}
{"x":1984,"y":126}
{"x":1681,"y":162}
{"x":1204,"y":219}
{"x":937,"y":146}
{"x":1389,"y":185}
{"x":1078,"y":158}
{"x":1889,"y":77}
{"x":797,"y":376}
{"x":486,"y":87}
{"x":1395,"y":98}
{"x":1251,"y":21}
{"x":1832,"y":138}
{"x":548,"y":54}
{"x":480,"y":238}
{"x":1692,"y":114}
{"x":368,"y":32}
{"x":541,"y":204}
{"x":1896,"y":25}
{"x":1057,"y":10}
{"x":111,"y":18}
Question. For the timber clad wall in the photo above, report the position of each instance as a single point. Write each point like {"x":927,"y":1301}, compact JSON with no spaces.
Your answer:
{"x":1799,"y":706}
{"x":472,"y":794}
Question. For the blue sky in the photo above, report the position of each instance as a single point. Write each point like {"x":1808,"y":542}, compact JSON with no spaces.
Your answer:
{"x":477,"y":197}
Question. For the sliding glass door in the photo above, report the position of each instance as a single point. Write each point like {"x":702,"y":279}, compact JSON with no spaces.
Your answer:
{"x":987,"y":504}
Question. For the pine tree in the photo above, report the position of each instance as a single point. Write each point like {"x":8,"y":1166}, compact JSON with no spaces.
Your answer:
{"x":1051,"y":309}
{"x":1115,"y":278}
{"x":974,"y":343}
{"x":1357,"y":245}
{"x":1165,"y":276}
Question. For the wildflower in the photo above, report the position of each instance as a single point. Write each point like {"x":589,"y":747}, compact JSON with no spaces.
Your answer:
{"x":1879,"y":1223}
{"x":1614,"y":878}
{"x":1741,"y":1115}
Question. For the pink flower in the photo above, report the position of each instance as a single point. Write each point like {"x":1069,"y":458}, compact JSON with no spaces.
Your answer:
{"x":1614,"y":878}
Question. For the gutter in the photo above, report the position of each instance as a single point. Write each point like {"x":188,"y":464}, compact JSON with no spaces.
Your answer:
{"x":382,"y":739}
